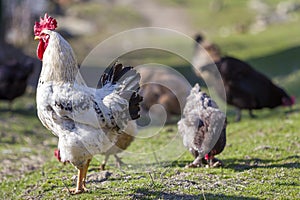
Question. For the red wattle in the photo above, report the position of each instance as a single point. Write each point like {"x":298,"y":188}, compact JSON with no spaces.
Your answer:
{"x":41,"y":49}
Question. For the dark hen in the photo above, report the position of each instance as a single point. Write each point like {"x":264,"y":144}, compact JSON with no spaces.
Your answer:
{"x":13,"y":80}
{"x":203,"y":128}
{"x":245,"y":87}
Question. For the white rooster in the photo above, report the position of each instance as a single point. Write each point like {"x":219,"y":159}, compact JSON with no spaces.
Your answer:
{"x":86,"y":120}
{"x":203,"y":128}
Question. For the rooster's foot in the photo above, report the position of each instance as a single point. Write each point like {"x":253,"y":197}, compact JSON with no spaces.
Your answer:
{"x":76,"y":190}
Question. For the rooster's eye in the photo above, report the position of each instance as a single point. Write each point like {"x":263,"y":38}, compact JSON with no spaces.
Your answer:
{"x":45,"y":37}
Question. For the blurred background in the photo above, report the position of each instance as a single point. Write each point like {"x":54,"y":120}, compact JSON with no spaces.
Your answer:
{"x":264,"y":33}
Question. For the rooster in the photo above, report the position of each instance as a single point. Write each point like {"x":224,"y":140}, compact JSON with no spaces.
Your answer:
{"x":203,"y":128}
{"x":245,"y":87}
{"x":124,"y":139}
{"x":86,"y":120}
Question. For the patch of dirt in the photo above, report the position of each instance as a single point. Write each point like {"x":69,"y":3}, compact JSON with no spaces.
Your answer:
{"x":97,"y":177}
{"x":15,"y":166}
{"x":202,"y":182}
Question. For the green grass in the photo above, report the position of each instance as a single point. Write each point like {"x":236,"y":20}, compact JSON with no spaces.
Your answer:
{"x":261,"y":162}
{"x":262,"y":154}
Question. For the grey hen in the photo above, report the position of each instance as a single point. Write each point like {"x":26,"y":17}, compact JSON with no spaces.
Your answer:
{"x":203,"y":128}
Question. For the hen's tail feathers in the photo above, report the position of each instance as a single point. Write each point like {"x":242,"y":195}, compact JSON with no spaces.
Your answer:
{"x":128,"y":80}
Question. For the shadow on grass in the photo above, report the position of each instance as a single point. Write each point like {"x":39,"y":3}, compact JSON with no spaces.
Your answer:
{"x":262,"y":113}
{"x":164,"y":164}
{"x":145,"y":193}
{"x":279,"y":63}
{"x":237,"y":164}
{"x":18,"y":111}
{"x":246,"y":164}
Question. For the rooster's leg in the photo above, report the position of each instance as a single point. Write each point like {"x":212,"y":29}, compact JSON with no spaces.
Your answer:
{"x":80,"y":186}
{"x":84,"y":174}
{"x":102,"y":166}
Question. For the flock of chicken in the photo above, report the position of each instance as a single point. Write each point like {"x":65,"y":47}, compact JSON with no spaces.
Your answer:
{"x":102,"y":120}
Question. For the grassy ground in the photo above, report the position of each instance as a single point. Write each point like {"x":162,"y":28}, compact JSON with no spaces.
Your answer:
{"x":261,"y":157}
{"x":261,"y":161}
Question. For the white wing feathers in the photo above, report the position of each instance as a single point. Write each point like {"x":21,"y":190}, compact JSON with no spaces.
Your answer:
{"x":106,"y":107}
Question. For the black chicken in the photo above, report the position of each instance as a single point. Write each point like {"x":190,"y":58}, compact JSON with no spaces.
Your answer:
{"x":245,"y":87}
{"x":203,"y":128}
{"x":13,"y":80}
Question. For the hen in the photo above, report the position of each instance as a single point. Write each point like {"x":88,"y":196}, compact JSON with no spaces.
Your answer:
{"x":86,"y":120}
{"x":245,"y":87}
{"x":165,"y":87}
{"x":13,"y":80}
{"x":124,"y":139}
{"x":203,"y":128}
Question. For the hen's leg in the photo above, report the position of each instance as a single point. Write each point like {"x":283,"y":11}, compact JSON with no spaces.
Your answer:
{"x":214,"y":162}
{"x":251,"y":114}
{"x":119,"y":162}
{"x":238,"y":115}
{"x":102,"y":166}
{"x":10,"y":106}
{"x":196,"y":163}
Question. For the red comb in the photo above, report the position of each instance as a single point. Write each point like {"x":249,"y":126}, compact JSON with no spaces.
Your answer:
{"x":45,"y":23}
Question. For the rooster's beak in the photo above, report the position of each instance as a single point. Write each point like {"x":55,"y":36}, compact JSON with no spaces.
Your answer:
{"x":37,"y":37}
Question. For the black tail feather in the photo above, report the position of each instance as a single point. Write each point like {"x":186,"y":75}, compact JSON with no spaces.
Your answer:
{"x":113,"y":74}
{"x":117,"y":73}
{"x":120,"y":72}
{"x":134,"y":105}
